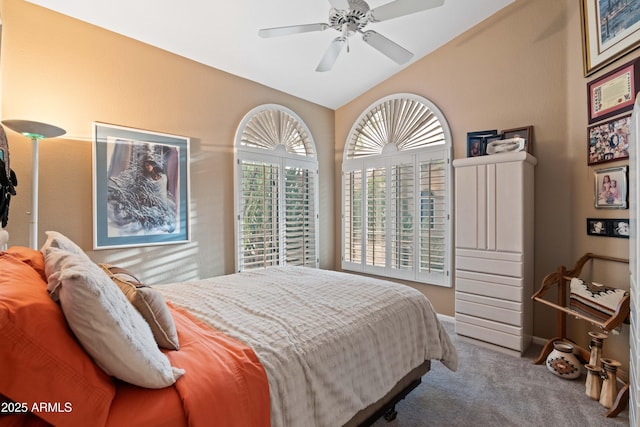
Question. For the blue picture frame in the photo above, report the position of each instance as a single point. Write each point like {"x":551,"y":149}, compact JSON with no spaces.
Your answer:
{"x":140,"y":187}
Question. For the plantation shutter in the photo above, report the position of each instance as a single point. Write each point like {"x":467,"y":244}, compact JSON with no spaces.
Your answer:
{"x":276,"y":190}
{"x":398,"y":153}
{"x":433,"y":216}
{"x":353,"y":217}
{"x":402,"y":225}
{"x":376,"y":217}
{"x":259,"y":231}
{"x":300,"y":216}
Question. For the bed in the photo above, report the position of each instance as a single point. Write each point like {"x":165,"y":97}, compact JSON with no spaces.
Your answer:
{"x":283,"y":346}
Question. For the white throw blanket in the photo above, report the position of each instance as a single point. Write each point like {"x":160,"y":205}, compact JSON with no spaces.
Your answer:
{"x":331,"y":343}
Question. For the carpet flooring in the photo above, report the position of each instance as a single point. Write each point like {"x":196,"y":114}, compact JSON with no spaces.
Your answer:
{"x":491,"y":388}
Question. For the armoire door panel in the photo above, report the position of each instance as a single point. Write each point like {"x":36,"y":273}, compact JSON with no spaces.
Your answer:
{"x":470,"y":207}
{"x":490,"y":195}
{"x":508,"y":207}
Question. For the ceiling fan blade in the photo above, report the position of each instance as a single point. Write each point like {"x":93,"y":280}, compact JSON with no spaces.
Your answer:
{"x":291,"y":29}
{"x":387,"y":47}
{"x":330,"y":56}
{"x":399,"y":8}
{"x":339,"y":4}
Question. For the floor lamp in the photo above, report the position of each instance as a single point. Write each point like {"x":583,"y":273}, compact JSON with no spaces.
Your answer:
{"x":36,"y":131}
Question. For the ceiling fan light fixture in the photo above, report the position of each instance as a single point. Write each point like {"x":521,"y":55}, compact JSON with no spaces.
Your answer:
{"x":351,"y":16}
{"x":356,"y":16}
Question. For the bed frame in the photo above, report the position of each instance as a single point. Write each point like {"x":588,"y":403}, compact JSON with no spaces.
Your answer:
{"x":386,"y":406}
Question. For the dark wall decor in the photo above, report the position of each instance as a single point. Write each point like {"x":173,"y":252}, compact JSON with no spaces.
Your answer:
{"x":607,"y":227}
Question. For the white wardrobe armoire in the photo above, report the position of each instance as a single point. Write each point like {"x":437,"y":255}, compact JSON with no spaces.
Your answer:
{"x":494,"y":207}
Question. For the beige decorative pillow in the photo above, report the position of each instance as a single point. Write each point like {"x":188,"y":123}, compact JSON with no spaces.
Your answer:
{"x":108,"y":327}
{"x":58,"y":241}
{"x":149,"y":302}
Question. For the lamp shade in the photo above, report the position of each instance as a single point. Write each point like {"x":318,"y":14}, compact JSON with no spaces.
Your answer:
{"x":33,"y":129}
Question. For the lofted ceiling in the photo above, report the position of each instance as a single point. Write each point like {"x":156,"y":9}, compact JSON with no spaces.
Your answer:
{"x":224,"y":35}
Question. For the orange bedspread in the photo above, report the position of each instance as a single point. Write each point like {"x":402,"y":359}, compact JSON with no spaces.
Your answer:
{"x":224,"y":383}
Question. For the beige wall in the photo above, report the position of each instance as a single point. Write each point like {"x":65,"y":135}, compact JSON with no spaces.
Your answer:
{"x":522,"y":66}
{"x":61,"y":71}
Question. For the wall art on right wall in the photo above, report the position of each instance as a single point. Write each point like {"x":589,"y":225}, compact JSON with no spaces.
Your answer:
{"x":610,"y":190}
{"x":610,"y":30}
{"x":609,"y":141}
{"x":608,"y":227}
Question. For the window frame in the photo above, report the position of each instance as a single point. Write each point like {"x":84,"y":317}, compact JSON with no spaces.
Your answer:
{"x":282,"y":159}
{"x":388,"y":158}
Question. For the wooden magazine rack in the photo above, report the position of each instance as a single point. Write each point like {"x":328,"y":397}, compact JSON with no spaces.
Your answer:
{"x":561,"y":278}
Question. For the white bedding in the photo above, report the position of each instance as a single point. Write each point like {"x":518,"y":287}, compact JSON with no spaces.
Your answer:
{"x":331,"y":343}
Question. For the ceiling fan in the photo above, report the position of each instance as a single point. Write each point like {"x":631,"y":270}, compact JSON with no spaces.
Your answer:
{"x":350,"y":17}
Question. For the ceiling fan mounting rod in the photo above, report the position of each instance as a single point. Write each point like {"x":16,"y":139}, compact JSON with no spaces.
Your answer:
{"x":347,"y":32}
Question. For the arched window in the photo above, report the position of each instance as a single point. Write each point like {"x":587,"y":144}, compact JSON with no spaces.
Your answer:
{"x":276,"y":190}
{"x":396,"y":182}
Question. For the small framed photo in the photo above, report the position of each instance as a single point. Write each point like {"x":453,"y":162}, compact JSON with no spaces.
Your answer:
{"x":608,"y":227}
{"x":597,"y":227}
{"x":140,"y":187}
{"x":609,"y":141}
{"x":525,"y":132}
{"x":611,"y":188}
{"x":477,"y":142}
{"x":619,"y":228}
{"x":613,"y":93}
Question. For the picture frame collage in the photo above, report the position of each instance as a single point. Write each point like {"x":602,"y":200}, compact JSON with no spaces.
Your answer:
{"x":611,"y":97}
{"x":488,"y":142}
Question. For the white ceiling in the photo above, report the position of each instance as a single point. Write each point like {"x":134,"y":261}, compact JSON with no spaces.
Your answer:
{"x":224,"y":35}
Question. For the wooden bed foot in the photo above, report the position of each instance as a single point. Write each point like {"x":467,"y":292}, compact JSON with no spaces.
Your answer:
{"x":391,"y":414}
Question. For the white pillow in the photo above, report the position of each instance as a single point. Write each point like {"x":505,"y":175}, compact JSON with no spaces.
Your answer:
{"x":59,"y":241}
{"x":108,"y":327}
